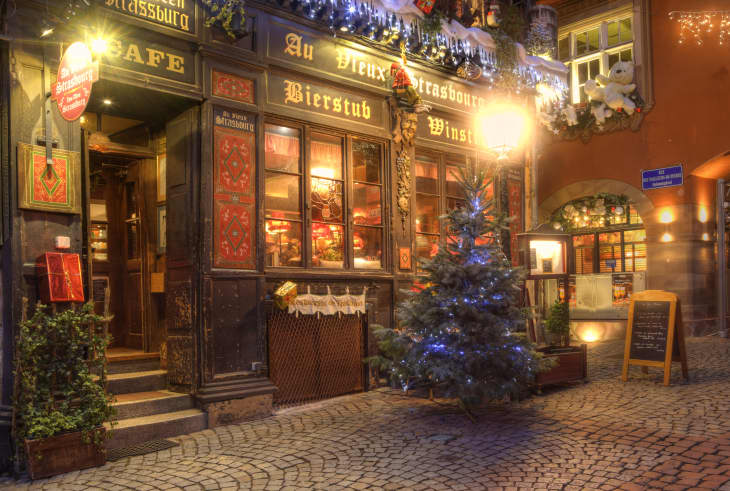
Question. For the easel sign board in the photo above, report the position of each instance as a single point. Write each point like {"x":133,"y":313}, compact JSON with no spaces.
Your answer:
{"x":654,"y":335}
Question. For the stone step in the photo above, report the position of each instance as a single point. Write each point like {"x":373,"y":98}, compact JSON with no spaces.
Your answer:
{"x":133,"y":431}
{"x":122,"y":365}
{"x":138,"y":404}
{"x":125,"y":383}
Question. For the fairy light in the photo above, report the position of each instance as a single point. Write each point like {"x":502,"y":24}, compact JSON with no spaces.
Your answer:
{"x":696,"y":26}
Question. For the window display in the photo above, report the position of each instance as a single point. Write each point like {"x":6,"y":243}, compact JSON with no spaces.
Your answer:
{"x":329,"y":242}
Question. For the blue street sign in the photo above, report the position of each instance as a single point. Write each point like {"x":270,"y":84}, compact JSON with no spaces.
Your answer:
{"x":662,"y":178}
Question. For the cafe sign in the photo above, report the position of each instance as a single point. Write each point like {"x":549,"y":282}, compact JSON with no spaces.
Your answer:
{"x":303,"y":48}
{"x":177,"y":14}
{"x":76,"y":74}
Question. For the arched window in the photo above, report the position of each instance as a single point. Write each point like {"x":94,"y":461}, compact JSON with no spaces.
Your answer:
{"x":608,"y":234}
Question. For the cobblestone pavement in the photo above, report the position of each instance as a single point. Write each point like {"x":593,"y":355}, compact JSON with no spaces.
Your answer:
{"x":602,"y":435}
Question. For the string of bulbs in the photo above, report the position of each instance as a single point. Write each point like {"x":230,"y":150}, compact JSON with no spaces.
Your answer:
{"x":696,"y":25}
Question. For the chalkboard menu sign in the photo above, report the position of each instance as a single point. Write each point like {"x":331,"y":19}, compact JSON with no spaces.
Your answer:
{"x":654,"y":336}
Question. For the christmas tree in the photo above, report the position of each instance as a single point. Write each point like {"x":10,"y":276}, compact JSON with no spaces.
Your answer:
{"x":460,"y":331}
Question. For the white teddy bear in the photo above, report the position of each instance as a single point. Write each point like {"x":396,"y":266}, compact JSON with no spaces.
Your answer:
{"x":615,"y":86}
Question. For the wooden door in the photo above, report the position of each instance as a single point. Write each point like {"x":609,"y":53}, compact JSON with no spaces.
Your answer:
{"x":133,"y":257}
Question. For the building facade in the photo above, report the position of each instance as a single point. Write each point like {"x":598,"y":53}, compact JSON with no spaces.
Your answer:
{"x":210,"y":170}
{"x":667,"y":240}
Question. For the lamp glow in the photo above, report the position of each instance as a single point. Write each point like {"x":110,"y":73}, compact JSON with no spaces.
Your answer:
{"x":705,"y":236}
{"x":702,"y":215}
{"x":667,"y":237}
{"x":666,"y":217}
{"x":503,"y":128}
{"x":99,"y":46}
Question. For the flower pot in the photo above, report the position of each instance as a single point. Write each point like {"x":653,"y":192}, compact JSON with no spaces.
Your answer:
{"x":64,"y":453}
{"x":572,"y":365}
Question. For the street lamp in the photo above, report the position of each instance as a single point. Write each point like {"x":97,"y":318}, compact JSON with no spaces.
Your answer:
{"x":502,"y":128}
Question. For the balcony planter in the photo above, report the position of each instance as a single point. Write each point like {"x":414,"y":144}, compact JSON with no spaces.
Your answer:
{"x":572,"y":365}
{"x":65,"y":453}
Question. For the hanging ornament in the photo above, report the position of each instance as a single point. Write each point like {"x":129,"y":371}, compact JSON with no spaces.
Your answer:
{"x":468,"y":70}
{"x":424,"y":5}
{"x":493,"y":15}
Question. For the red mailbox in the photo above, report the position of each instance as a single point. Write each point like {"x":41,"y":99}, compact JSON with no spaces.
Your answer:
{"x":60,"y":277}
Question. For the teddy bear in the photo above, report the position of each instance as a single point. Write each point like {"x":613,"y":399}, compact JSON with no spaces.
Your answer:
{"x":614,"y":88}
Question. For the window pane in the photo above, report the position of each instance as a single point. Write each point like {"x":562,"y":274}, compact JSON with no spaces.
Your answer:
{"x":366,"y":161}
{"x":326,"y":156}
{"x":626,"y":55}
{"x":635,"y":235}
{"x":583,"y":96}
{"x":367,"y":242}
{"x":593,"y":40}
{"x":326,"y":200}
{"x":453,"y":203}
{"x":582,"y":73}
{"x":634,"y":217}
{"x":328,"y":246}
{"x":610,"y":254}
{"x":283,"y":243}
{"x":625,"y":30}
{"x":613,"y":38}
{"x":581,"y":43}
{"x":427,"y":212}
{"x":595,"y":66}
{"x":639,"y":257}
{"x":564,"y":48}
{"x":612,"y":59}
{"x":453,"y":188}
{"x":282,"y":148}
{"x":282,"y":195}
{"x":426,"y":246}
{"x":427,"y":176}
{"x":366,"y":204}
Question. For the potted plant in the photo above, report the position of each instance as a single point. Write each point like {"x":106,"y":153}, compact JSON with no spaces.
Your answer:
{"x":571,"y":361}
{"x":60,"y":401}
{"x":332,"y":257}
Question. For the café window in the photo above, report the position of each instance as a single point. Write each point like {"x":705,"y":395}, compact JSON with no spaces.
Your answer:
{"x":437,"y":190}
{"x":312,"y":177}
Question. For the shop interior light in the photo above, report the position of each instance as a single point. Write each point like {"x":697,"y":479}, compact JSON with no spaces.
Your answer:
{"x":107,"y":102}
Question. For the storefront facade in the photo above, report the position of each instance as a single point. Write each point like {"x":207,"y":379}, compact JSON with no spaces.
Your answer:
{"x":212,"y":170}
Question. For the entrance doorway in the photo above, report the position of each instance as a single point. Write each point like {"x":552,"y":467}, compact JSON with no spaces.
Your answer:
{"x":125,"y":134}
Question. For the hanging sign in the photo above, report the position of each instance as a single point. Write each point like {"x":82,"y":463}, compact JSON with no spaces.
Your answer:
{"x":662,"y":178}
{"x":76,"y":74}
{"x":311,"y":304}
{"x":654,"y":335}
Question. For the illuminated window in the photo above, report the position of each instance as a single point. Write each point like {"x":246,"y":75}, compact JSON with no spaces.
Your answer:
{"x":330,"y":242}
{"x":592,"y":46}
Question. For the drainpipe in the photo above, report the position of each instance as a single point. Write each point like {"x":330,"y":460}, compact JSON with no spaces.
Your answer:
{"x":721,"y":259}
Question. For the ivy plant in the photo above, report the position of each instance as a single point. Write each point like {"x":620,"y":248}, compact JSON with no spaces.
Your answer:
{"x":60,"y":370}
{"x":229,"y":15}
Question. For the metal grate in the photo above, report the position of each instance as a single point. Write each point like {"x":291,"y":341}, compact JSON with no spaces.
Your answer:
{"x":314,"y":358}
{"x":141,"y":449}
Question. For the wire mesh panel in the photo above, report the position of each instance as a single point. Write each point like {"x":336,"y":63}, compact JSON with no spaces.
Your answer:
{"x":312,"y":359}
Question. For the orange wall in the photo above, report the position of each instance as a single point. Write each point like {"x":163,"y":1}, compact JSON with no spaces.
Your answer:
{"x":690,"y":121}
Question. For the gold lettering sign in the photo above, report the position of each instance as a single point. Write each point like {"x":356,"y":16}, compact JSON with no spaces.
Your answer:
{"x":296,"y":93}
{"x":177,"y":14}
{"x":442,"y":129}
{"x":156,"y":58}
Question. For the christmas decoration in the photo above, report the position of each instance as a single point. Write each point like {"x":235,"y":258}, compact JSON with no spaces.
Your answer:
{"x":403,"y":89}
{"x":599,"y":211}
{"x":694,"y":26}
{"x":614,"y":87}
{"x":285,"y":294}
{"x":540,"y":41}
{"x":493,"y":15}
{"x":460,"y":331}
{"x":614,"y":105}
{"x":426,"y":6}
{"x":229,"y":15}
{"x":363,"y":23}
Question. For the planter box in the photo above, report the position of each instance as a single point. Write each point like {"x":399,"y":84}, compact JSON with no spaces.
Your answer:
{"x":572,"y":365}
{"x":63,"y":453}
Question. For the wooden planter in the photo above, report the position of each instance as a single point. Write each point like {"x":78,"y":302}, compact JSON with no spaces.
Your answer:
{"x":63,"y":453}
{"x":572,"y":365}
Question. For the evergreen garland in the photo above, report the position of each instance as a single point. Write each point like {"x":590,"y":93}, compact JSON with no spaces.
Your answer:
{"x":227,"y":14}
{"x":461,"y":331}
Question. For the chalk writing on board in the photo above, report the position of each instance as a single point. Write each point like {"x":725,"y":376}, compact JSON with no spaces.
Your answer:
{"x":650,"y":326}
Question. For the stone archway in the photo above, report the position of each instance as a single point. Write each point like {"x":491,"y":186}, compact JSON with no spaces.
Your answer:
{"x":643,"y":204}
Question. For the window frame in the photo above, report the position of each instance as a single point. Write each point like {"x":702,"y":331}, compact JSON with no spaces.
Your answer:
{"x":597,"y":251}
{"x":305,"y":188}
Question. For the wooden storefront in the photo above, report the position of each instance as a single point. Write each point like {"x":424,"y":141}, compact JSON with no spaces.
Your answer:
{"x":280,"y":164}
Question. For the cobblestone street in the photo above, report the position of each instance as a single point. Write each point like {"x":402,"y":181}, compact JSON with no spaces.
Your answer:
{"x":600,"y":435}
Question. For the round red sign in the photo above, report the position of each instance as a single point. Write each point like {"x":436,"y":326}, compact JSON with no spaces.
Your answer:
{"x":75,"y":76}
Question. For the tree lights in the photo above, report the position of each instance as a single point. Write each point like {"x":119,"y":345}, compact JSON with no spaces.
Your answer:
{"x":694,"y":26}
